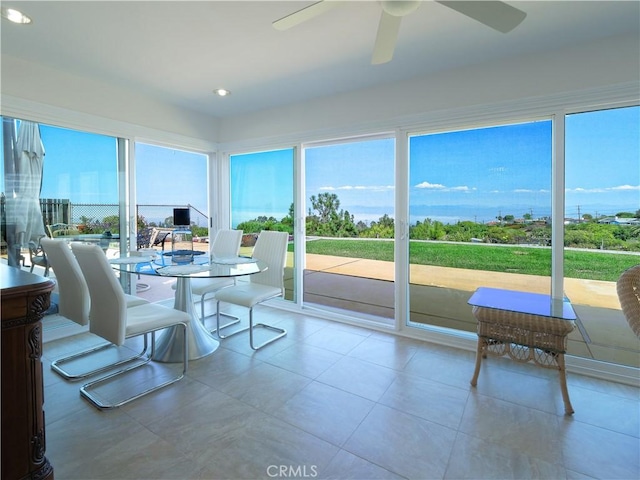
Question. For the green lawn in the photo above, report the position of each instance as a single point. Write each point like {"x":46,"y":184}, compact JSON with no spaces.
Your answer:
{"x":533,"y":261}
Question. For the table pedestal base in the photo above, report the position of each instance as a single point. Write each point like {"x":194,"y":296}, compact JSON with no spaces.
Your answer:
{"x":200,"y":342}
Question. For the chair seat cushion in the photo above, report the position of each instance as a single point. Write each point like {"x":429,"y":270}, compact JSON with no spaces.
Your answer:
{"x":248,"y":295}
{"x":151,"y":316}
{"x":132,"y":300}
{"x":39,"y":260}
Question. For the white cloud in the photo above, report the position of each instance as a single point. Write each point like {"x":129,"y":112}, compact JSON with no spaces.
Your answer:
{"x":620,"y":188}
{"x":430,"y":186}
{"x":369,"y":188}
{"x":442,"y":188}
{"x":626,"y":187}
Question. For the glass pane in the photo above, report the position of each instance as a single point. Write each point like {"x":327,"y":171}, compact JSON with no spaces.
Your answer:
{"x":168,"y":179}
{"x":602,"y":228}
{"x":77,"y":195}
{"x":479,"y":207}
{"x":350,"y":228}
{"x":262,"y":199}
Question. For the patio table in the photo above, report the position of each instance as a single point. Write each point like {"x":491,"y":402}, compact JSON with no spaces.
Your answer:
{"x":201,"y":342}
{"x":526,"y":327}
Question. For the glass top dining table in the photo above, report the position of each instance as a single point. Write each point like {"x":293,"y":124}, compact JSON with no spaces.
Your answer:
{"x":200,"y":341}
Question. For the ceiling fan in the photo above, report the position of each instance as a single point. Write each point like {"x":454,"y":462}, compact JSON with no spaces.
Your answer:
{"x":497,"y":15}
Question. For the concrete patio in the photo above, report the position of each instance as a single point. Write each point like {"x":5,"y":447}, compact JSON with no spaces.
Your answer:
{"x":438,"y":296}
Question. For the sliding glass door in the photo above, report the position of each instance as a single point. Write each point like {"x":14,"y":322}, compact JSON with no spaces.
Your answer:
{"x":479,"y":215}
{"x":602,"y":228}
{"x":65,"y":183}
{"x":167,"y":178}
{"x":349,"y":258}
{"x":262,"y":199}
{"x":480,"y":206}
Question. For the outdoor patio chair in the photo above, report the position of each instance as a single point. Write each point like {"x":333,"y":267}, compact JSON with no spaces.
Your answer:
{"x":271,"y":248}
{"x":225,"y":245}
{"x":115,"y":322}
{"x":38,"y":257}
{"x":143,"y":238}
{"x":628,"y":287}
{"x":158,"y":237}
{"x":74,"y":303}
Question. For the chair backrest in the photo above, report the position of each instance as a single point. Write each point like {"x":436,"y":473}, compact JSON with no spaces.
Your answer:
{"x":143,"y":238}
{"x":271,"y":248}
{"x":158,"y":236}
{"x":226,"y":243}
{"x":628,"y":287}
{"x":108,"y":302}
{"x":74,"y":302}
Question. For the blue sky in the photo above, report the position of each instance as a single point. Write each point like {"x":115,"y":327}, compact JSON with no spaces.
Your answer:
{"x":603,"y":161}
{"x":263,"y":185}
{"x":79,"y":166}
{"x":482,"y":173}
{"x":474,"y":174}
{"x":361,"y":174}
{"x":171,"y":176}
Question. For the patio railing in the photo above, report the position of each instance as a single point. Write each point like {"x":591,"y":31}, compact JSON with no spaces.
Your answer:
{"x":104,"y":216}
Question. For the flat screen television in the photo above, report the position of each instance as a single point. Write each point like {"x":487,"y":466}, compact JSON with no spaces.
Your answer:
{"x":181,"y":217}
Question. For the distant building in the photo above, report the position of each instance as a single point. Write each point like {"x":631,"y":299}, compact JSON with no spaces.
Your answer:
{"x":618,"y":221}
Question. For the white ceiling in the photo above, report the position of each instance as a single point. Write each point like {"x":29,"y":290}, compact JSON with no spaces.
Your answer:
{"x":179,"y":51}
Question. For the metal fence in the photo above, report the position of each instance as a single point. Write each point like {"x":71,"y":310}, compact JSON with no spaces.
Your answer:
{"x":98,"y":217}
{"x":162,"y":215}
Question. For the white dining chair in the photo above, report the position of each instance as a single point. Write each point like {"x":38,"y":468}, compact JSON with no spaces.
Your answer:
{"x":74,"y":304}
{"x":111,"y":319}
{"x":226,"y":244}
{"x":270,"y":248}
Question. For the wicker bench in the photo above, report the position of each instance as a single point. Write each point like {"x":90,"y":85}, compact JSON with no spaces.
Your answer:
{"x":527,"y":327}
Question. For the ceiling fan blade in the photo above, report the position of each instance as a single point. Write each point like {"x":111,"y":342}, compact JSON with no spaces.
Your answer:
{"x":305,"y":14}
{"x":386,"y":38}
{"x":497,"y":15}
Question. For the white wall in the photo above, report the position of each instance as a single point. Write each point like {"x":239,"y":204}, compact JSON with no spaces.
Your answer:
{"x":605,"y":63}
{"x":612,"y":61}
{"x":106,"y":108}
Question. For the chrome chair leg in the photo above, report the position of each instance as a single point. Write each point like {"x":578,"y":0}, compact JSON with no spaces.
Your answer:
{"x":86,"y":390}
{"x":56,"y":365}
{"x":219,"y":328}
{"x":281,"y":331}
{"x":234,"y":319}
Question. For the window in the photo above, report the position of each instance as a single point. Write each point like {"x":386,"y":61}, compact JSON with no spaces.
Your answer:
{"x":479,"y":208}
{"x":602,"y":227}
{"x":78,"y":193}
{"x":349,"y":262}
{"x":167,"y":178}
{"x":262,"y":199}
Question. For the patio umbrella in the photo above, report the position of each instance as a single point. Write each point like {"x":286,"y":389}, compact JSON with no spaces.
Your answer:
{"x":25,"y":212}
{"x":8,"y":228}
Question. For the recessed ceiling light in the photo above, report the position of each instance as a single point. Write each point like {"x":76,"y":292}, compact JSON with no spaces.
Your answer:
{"x":222,"y":92}
{"x":15,"y":16}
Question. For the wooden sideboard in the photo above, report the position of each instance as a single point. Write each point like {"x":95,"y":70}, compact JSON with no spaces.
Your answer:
{"x":24,"y":299}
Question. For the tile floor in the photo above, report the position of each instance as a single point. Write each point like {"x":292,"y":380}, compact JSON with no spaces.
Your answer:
{"x":333,"y":401}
